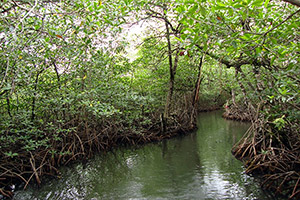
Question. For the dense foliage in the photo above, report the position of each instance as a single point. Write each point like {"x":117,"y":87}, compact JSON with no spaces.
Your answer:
{"x":69,"y":78}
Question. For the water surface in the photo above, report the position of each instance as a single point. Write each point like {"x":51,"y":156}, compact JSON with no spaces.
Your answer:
{"x":197,"y":166}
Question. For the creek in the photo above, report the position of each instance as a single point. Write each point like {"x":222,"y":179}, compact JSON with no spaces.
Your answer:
{"x":196,"y":166}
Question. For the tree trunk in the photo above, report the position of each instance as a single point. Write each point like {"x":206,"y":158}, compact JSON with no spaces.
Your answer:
{"x":35,"y":94}
{"x":196,"y":93}
{"x":233,"y":97}
{"x":198,"y":83}
{"x":241,"y":84}
{"x":8,"y":105}
{"x":172,"y":71}
{"x":171,"y":84}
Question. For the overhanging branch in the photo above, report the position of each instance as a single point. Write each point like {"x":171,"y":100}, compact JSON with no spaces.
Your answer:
{"x":294,"y":2}
{"x":237,"y":64}
{"x":289,"y":17}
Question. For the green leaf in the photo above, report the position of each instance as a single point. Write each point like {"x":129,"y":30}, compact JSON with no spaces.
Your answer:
{"x":221,"y":4}
{"x":258,"y":50}
{"x":179,"y":39}
{"x":193,"y":9}
{"x":266,"y":3}
{"x":258,"y":3}
{"x":191,"y":21}
{"x":272,"y":60}
{"x":280,"y":122}
{"x":8,"y":87}
{"x":234,"y":44}
{"x":203,"y":10}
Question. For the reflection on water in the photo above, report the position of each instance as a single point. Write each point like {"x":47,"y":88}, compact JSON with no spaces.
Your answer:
{"x":197,"y":166}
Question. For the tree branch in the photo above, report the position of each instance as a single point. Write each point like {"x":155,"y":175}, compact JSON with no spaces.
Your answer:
{"x":237,"y":64}
{"x":289,"y":17}
{"x":157,"y":15}
{"x":294,"y":2}
{"x":7,"y":9}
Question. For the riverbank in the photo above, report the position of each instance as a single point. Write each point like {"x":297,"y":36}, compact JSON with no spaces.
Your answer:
{"x":275,"y":158}
{"x":198,"y":165}
{"x":269,"y":152}
{"x":88,"y":139}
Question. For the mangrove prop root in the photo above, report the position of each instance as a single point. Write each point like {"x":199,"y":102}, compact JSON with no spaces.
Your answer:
{"x":266,"y":154}
{"x":83,"y":142}
{"x":5,"y":193}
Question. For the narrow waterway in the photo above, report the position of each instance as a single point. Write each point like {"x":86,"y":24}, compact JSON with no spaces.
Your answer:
{"x":197,"y":166}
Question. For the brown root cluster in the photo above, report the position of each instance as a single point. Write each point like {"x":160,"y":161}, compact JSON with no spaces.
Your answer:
{"x":275,"y":156}
{"x":240,"y":113}
{"x":89,"y":138}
